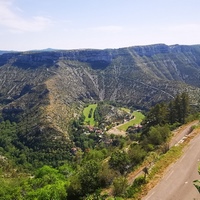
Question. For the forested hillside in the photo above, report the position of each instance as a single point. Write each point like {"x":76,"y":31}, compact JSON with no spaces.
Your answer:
{"x":97,"y":162}
{"x":45,"y":123}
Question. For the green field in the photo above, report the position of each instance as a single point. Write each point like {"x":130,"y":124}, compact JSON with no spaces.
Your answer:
{"x":89,"y":120}
{"x":137,"y":120}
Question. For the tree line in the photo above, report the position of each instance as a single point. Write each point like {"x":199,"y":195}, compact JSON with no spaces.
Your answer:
{"x":174,"y":112}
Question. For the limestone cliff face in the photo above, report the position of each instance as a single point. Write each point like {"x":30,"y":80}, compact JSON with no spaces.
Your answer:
{"x":139,"y":75}
{"x":48,"y":89}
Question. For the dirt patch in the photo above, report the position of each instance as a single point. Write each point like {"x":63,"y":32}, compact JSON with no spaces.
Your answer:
{"x":116,"y":131}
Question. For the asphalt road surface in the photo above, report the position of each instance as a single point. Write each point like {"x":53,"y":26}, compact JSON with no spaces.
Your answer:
{"x":181,"y":134}
{"x":177,"y":183}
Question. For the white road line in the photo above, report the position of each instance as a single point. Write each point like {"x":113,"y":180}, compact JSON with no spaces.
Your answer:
{"x":169,"y":175}
{"x":182,"y":158}
{"x":150,"y":195}
{"x":191,"y":146}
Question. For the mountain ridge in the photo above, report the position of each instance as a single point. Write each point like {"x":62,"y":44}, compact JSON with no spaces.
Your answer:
{"x":44,"y":91}
{"x":49,"y":49}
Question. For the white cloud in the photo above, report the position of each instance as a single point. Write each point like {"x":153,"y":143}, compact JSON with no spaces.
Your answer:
{"x":10,"y":19}
{"x":108,"y":28}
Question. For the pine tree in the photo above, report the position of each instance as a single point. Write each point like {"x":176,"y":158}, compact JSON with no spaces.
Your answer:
{"x":184,"y":106}
{"x":177,"y":109}
{"x":171,"y":112}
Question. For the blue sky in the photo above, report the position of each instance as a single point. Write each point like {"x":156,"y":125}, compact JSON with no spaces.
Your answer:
{"x":99,"y":24}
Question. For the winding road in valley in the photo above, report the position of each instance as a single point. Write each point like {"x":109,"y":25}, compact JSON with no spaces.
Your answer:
{"x":177,"y":183}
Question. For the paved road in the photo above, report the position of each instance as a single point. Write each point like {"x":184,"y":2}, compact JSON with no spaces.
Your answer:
{"x":178,"y":137}
{"x":180,"y":134}
{"x":177,"y":184}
